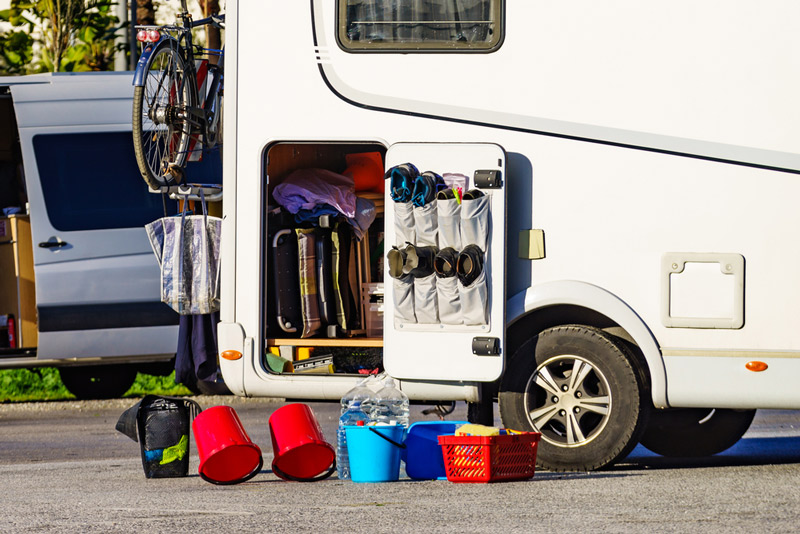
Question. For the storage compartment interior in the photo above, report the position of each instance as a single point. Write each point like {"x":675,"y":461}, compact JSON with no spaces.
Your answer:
{"x":18,"y":328}
{"x":323,"y":258}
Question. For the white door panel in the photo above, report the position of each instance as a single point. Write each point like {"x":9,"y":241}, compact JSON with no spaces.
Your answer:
{"x":434,"y":350}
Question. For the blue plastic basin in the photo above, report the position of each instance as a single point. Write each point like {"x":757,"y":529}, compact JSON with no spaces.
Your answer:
{"x":423,"y":454}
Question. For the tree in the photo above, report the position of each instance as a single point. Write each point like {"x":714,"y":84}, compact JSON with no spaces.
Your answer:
{"x":145,"y":12}
{"x":213,"y":37}
{"x":73,"y":34}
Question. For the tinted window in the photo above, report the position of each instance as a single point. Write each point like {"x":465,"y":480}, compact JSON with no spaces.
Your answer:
{"x":457,"y":25}
{"x":91,"y":181}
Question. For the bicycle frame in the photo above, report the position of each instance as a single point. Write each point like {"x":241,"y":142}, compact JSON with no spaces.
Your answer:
{"x":180,"y":37}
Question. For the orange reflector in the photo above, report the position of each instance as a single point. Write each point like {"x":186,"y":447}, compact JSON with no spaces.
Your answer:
{"x":234,"y":354}
{"x":756,"y":367}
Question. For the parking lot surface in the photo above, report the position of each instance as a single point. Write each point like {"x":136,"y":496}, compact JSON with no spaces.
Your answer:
{"x":66,"y":469}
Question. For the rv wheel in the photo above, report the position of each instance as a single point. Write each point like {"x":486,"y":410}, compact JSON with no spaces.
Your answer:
{"x":98,"y":381}
{"x":695,"y":432}
{"x":576,"y":386}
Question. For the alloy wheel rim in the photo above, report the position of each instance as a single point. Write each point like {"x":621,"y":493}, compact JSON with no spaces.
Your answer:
{"x":568,"y":400}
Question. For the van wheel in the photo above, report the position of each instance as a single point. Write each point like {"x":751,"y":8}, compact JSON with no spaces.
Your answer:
{"x":695,"y":432}
{"x":98,"y":381}
{"x":578,"y":387}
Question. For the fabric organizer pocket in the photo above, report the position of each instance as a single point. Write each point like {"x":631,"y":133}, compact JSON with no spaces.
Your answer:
{"x":404,"y":223}
{"x":473,"y":301}
{"x":474,"y":219}
{"x":448,"y":301}
{"x":403,"y":294}
{"x":449,"y":212}
{"x":472,"y":286}
{"x":426,"y":308}
{"x":426,"y":225}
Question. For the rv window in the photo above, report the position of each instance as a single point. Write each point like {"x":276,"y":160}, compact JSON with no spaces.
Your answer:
{"x":424,"y":25}
{"x":91,"y":181}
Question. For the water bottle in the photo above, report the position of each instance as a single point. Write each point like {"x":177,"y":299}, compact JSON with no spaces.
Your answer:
{"x":390,"y":405}
{"x":352,"y":412}
{"x":361,"y":392}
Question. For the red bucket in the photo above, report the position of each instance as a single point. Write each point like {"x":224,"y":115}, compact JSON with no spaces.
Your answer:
{"x":301,"y":452}
{"x":227,"y":456}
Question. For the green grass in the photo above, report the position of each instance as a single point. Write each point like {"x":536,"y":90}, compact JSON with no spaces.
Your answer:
{"x":44,"y":383}
{"x":156,"y":385}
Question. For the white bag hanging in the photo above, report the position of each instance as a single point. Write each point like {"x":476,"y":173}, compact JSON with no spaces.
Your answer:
{"x":187,"y":250}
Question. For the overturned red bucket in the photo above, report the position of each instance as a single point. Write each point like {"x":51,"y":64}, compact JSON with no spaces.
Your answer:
{"x":301,"y":452}
{"x":227,"y":455}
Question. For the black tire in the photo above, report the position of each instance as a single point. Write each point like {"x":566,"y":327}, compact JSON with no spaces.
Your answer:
{"x":586,"y":424}
{"x":98,"y":381}
{"x":695,"y":432}
{"x":161,"y":133}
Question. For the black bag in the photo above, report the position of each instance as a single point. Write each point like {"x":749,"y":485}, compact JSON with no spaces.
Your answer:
{"x":161,"y":426}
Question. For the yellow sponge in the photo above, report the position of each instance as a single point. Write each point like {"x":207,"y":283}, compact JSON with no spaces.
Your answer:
{"x":477,"y":430}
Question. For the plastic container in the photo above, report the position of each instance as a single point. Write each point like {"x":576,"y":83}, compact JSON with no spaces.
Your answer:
{"x":423,"y":454}
{"x":390,"y":405}
{"x":227,"y":455}
{"x":361,"y":393}
{"x":301,"y":452}
{"x":372,"y":300}
{"x":374,"y":319}
{"x":375,"y":452}
{"x":351,"y":416}
{"x":490,"y":458}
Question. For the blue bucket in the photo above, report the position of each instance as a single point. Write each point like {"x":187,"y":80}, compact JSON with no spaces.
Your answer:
{"x":423,"y":454}
{"x":373,"y":457}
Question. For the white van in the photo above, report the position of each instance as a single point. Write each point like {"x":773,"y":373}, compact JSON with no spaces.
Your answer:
{"x":79,"y":284}
{"x":641,"y":162}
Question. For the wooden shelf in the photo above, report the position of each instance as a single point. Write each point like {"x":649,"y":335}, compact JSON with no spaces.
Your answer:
{"x":326,"y":342}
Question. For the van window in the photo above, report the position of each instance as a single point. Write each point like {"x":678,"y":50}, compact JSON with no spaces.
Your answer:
{"x":423,"y":25}
{"x":91,"y":181}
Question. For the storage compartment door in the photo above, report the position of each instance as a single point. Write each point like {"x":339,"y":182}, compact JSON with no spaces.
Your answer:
{"x":446,"y":325}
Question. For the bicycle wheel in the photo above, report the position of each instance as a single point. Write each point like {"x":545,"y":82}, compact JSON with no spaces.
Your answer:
{"x":161,"y":129}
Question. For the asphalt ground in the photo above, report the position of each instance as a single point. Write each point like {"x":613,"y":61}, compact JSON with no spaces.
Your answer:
{"x":64,"y":468}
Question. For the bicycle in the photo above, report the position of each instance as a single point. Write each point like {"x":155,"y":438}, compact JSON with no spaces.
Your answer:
{"x":172,"y":120}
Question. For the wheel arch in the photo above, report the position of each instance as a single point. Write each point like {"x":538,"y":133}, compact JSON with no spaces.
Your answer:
{"x":573,"y":302}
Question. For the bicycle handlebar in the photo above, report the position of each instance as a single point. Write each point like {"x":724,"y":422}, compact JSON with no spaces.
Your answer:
{"x":218,"y":21}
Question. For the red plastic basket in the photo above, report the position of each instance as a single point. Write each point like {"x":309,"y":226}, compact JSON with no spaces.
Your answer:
{"x":490,"y":458}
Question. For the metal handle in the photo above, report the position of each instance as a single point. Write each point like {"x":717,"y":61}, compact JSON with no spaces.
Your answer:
{"x":53,"y":242}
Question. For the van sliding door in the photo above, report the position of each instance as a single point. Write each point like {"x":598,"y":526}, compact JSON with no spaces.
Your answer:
{"x":444,"y":303}
{"x":97,"y":280}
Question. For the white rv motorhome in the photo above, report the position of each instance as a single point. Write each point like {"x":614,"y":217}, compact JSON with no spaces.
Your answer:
{"x":79,"y":285}
{"x":640,"y":162}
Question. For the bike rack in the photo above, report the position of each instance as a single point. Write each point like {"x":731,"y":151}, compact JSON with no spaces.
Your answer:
{"x":212,"y":192}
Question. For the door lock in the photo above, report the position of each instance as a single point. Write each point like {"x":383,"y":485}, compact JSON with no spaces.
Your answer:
{"x":486,"y":346}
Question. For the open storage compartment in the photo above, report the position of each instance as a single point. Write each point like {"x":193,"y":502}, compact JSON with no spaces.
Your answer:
{"x":323,"y":270}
